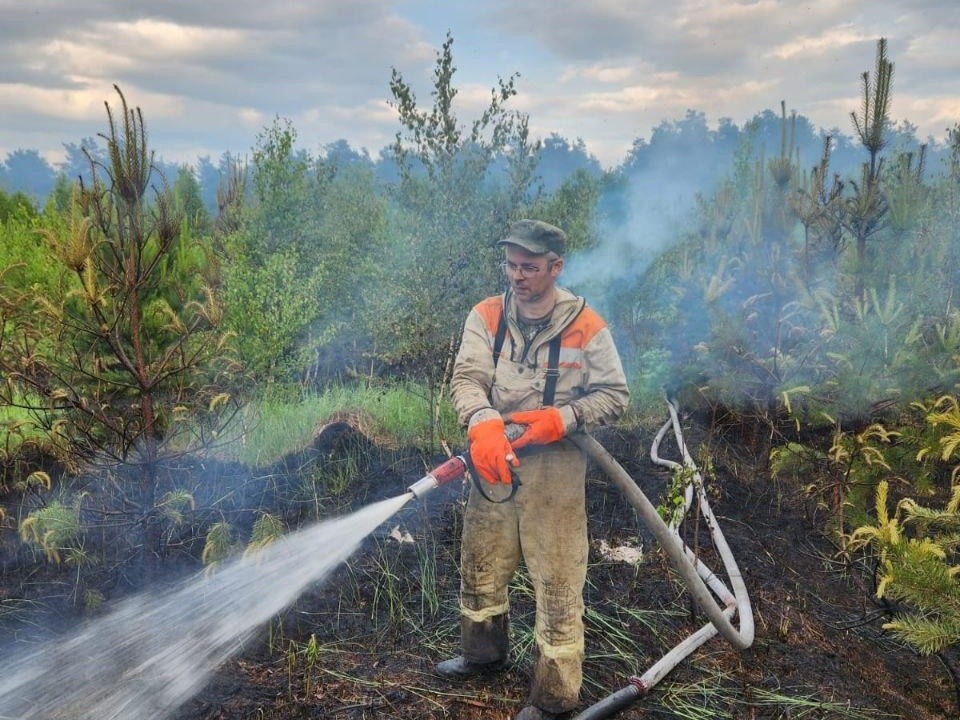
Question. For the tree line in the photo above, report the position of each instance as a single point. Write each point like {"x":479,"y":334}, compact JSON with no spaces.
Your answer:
{"x":804,"y":299}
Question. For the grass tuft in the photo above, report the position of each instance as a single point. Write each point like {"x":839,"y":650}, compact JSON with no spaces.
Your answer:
{"x":271,"y":427}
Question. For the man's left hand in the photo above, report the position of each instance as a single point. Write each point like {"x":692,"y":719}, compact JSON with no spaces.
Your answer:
{"x":543,"y":426}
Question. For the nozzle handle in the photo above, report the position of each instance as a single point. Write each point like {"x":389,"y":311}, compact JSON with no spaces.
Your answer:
{"x":452,"y":469}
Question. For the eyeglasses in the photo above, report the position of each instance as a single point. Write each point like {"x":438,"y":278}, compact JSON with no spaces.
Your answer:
{"x":523,"y":271}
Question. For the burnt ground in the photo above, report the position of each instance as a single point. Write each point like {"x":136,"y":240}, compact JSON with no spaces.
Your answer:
{"x":363,"y":643}
{"x":384,"y":619}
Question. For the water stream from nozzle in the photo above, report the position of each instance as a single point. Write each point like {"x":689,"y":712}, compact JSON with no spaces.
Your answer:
{"x":154,"y":651}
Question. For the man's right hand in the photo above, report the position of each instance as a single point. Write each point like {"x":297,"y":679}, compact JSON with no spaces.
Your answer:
{"x":490,"y":451}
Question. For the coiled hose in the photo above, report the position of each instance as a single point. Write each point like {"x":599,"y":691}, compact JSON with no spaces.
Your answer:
{"x":697,"y":577}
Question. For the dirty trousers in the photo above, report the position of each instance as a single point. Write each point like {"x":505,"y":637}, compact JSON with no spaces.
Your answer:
{"x":546,"y":525}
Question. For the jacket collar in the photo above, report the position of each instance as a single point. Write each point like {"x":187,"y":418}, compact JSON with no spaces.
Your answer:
{"x":567,"y":308}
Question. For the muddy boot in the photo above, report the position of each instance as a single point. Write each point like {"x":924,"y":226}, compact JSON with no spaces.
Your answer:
{"x":532,"y":712}
{"x":485,"y":648}
{"x":459,"y":668}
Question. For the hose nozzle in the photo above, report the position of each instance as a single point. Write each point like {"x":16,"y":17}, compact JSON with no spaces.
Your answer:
{"x":452,"y":469}
{"x":424,"y":485}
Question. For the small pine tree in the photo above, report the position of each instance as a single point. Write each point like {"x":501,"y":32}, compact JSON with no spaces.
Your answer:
{"x":123,"y":359}
{"x":917,"y":549}
{"x":867,"y":206}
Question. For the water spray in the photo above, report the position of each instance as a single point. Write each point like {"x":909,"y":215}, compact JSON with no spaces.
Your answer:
{"x":156,"y":650}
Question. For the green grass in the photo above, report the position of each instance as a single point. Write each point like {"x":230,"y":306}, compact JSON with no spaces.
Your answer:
{"x":16,"y":426}
{"x":717,"y":696}
{"x":271,"y":427}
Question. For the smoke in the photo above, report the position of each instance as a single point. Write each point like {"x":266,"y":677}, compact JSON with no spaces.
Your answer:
{"x":710,"y":279}
{"x":643,"y":222}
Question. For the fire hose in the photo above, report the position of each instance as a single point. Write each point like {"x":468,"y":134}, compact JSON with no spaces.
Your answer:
{"x":702,"y":582}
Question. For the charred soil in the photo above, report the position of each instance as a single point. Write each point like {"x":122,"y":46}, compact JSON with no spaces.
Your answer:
{"x":363,"y":643}
{"x":379,"y":626}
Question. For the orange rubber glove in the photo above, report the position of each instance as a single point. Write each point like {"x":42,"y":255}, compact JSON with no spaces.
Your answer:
{"x":543,"y":427}
{"x":490,"y":451}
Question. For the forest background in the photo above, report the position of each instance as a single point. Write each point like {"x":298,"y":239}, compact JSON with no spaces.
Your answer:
{"x":792,"y":285}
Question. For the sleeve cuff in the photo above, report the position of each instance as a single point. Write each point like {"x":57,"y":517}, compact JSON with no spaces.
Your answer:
{"x":481,"y":415}
{"x":570,"y":420}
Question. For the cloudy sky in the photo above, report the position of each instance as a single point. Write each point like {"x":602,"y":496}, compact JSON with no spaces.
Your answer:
{"x":209,"y":75}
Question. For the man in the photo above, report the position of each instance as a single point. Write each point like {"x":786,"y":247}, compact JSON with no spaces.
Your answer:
{"x":503,"y":374}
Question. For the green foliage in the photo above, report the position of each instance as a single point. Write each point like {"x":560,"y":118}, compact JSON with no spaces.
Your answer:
{"x":16,"y":427}
{"x":16,"y":205}
{"x":872,"y":122}
{"x":300,"y":259}
{"x":802,"y":296}
{"x":270,"y":306}
{"x":126,"y":342}
{"x":173,"y":504}
{"x":24,"y":260}
{"x":796,"y":462}
{"x":917,"y":551}
{"x":672,"y":506}
{"x":400,"y":415}
{"x":573,"y":207}
{"x":948,"y":415}
{"x":55,"y":529}
{"x":916,"y":547}
{"x":189,"y":202}
{"x":219,"y":545}
{"x":116,"y":349}
{"x":858,"y":461}
{"x":267,"y":528}
{"x":460,"y":185}
{"x":342,"y":470}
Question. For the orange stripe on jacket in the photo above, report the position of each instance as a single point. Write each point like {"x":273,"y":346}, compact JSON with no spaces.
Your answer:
{"x":490,"y":310}
{"x":582,"y":330}
{"x":576,"y":335}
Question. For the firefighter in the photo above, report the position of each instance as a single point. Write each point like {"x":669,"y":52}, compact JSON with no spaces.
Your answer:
{"x":538,"y":357}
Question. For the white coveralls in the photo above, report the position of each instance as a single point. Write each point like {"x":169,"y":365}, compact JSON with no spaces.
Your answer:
{"x":545,"y":523}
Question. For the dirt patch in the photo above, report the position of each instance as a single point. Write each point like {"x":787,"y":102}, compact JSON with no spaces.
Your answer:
{"x":363,"y":644}
{"x":390,"y":614}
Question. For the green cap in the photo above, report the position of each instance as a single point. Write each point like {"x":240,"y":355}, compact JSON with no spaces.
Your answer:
{"x":537,"y":237}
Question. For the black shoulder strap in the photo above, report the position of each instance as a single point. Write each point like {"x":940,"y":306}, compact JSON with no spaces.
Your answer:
{"x":553,"y":365}
{"x":553,"y":372}
{"x":553,"y":359}
{"x":499,"y":337}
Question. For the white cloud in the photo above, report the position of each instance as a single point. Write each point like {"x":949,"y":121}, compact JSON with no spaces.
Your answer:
{"x":634,"y":98}
{"x":212,"y":74}
{"x":607,"y":74}
{"x":827,"y":41}
{"x":938,"y":113}
{"x":161,"y":39}
{"x":251,"y":117}
{"x":23,"y":101}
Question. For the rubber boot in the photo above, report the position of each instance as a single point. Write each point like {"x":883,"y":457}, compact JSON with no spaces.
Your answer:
{"x":532,"y":712}
{"x":485,"y":645}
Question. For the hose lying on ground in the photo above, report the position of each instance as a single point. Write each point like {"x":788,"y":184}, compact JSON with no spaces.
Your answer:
{"x":697,"y":577}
